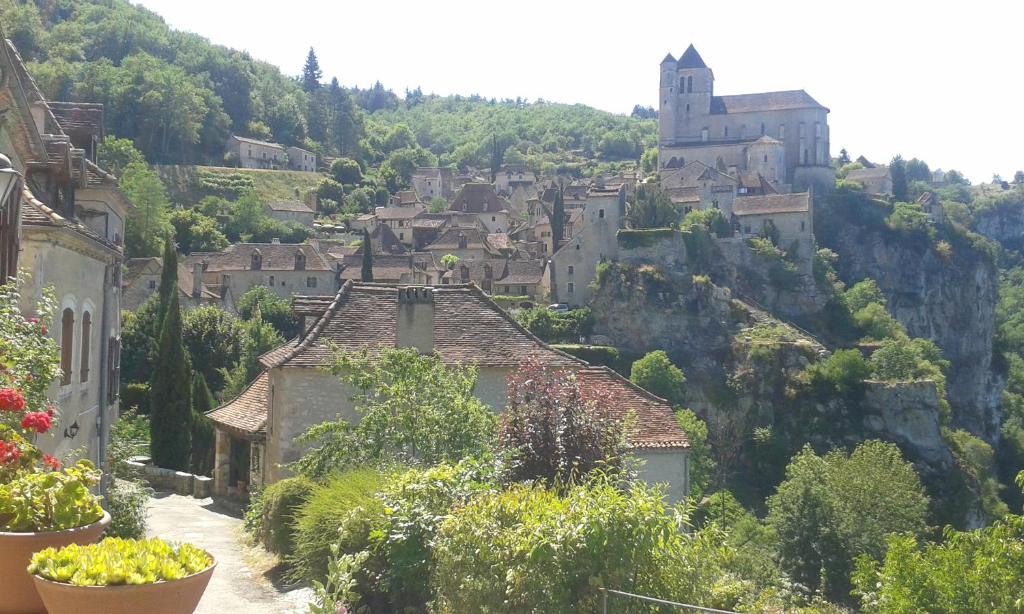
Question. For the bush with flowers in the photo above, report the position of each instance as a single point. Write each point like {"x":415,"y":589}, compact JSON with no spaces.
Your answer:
{"x":36,"y":492}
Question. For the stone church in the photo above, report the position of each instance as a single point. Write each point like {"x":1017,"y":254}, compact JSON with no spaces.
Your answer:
{"x":784,"y":136}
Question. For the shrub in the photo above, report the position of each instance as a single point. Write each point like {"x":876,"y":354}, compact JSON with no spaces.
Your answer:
{"x":843,"y":374}
{"x":320,"y":518}
{"x":875,"y":322}
{"x":126,"y":502}
{"x":782,"y":274}
{"x":50,"y":500}
{"x":594,"y":354}
{"x":702,"y":463}
{"x":656,"y":373}
{"x":862,"y":294}
{"x":529,"y":550}
{"x":554,"y":429}
{"x":280,"y":503}
{"x":136,"y":394}
{"x":557,"y":327}
{"x":115,"y":561}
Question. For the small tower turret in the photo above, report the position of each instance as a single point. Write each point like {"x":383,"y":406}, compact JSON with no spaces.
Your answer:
{"x":667,"y":95}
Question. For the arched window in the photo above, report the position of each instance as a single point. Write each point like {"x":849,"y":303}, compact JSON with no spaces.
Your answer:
{"x":67,"y":344}
{"x":682,"y":85}
{"x":689,"y":85}
{"x":84,"y":348}
{"x":257,"y":260}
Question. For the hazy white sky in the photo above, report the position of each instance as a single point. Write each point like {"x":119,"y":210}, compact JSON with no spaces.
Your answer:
{"x":939,"y":81}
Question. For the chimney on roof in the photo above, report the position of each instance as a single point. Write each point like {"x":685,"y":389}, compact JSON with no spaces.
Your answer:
{"x":197,"y":279}
{"x":415,"y":325}
{"x":275,"y":241}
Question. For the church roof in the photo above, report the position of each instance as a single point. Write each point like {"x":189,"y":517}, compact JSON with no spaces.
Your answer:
{"x":691,"y":59}
{"x":765,"y":101}
{"x":669,"y":59}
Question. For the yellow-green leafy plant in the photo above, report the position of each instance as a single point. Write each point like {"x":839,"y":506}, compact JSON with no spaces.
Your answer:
{"x":50,"y":500}
{"x":115,"y":562}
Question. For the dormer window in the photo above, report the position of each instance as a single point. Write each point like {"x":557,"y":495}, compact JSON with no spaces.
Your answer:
{"x":300,"y":261}
{"x":256,"y":261}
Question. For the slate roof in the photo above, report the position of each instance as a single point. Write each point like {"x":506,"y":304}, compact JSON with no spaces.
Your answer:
{"x":523,"y":272}
{"x":772,"y":203}
{"x":469,"y":328}
{"x":475,"y":239}
{"x":289,"y":205}
{"x":386,"y":268}
{"x":311,"y":305}
{"x":275,"y":257}
{"x":478,"y":198}
{"x":765,"y":101}
{"x":244,"y":139}
{"x":690,"y":59}
{"x":688,"y":176}
{"x":247,"y":413}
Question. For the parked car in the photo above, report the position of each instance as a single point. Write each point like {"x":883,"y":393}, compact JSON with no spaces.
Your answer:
{"x":559,"y":307}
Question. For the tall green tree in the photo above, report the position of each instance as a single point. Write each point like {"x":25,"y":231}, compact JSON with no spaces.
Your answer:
{"x":170,"y":421}
{"x":311,"y":72}
{"x":656,"y":373}
{"x":898,"y":172}
{"x":260,"y":338}
{"x":201,"y":460}
{"x":149,"y":224}
{"x":367,"y":272}
{"x":168,"y":280}
{"x":652,"y":208}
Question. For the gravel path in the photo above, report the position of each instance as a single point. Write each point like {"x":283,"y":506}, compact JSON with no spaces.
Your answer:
{"x":241,"y":583}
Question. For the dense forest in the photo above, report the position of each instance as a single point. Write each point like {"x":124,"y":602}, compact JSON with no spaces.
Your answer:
{"x":178,"y":97}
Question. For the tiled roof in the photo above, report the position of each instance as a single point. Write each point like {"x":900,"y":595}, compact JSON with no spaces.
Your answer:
{"x":311,"y":305}
{"x":290,"y":205}
{"x":756,"y":181}
{"x":859,"y":174}
{"x":523,"y":272}
{"x":690,"y":59}
{"x":244,"y":139}
{"x":79,"y":117}
{"x":772,"y":203}
{"x":35,"y":213}
{"x":655,"y":425}
{"x":275,"y":257}
{"x":398,"y":213}
{"x":247,"y":413}
{"x":469,"y":328}
{"x":475,"y":239}
{"x":478,"y":198}
{"x":386,"y":268}
{"x":766,"y":101}
{"x":407,"y":197}
{"x":688,"y":176}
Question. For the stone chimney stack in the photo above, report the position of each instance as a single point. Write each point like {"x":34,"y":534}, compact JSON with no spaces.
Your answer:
{"x":197,"y":279}
{"x":415,"y":326}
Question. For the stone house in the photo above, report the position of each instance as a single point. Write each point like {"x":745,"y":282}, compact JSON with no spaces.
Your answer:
{"x":400,"y":219}
{"x":468,"y":243}
{"x":696,"y":125}
{"x":390,"y":269}
{"x":431,"y":182}
{"x":876,"y":179}
{"x":257,"y":433}
{"x":932,"y":206}
{"x":698,"y":186}
{"x":287,"y":269}
{"x":291,"y":211}
{"x":481,"y":200}
{"x":503,"y":277}
{"x":301,"y":160}
{"x":141,"y":280}
{"x":64,"y":224}
{"x":514,"y":176}
{"x":594,"y":240}
{"x":253,"y":153}
{"x":788,"y":218}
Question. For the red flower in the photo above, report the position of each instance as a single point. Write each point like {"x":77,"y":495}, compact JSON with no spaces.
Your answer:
{"x":11,"y":400}
{"x":49,"y":410}
{"x":43,"y":329}
{"x":51,"y":462}
{"x":8,"y":453}
{"x":33,"y":320}
{"x":36,"y":421}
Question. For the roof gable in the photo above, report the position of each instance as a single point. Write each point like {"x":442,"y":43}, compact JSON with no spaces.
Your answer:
{"x":691,"y":59}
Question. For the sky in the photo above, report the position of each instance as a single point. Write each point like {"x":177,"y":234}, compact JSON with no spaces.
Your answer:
{"x":938,"y":81}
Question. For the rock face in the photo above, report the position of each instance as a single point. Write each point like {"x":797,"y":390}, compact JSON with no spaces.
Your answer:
{"x":1002,"y":224}
{"x":949,"y":301}
{"x":907,"y":414}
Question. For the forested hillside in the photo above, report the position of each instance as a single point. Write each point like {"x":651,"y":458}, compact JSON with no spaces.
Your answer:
{"x":179,"y":97}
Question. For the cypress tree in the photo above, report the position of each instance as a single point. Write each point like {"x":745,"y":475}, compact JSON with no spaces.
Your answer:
{"x":170,"y":420}
{"x":168,"y":281}
{"x":311,"y":72}
{"x":367,"y":273}
{"x":202,"y":428}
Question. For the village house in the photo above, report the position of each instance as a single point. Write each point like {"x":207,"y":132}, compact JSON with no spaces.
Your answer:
{"x":253,"y":153}
{"x":468,"y":243}
{"x":391,"y":269}
{"x":503,"y":277}
{"x":785,"y":218}
{"x":406,"y":198}
{"x":932,"y":207}
{"x":481,"y":200}
{"x":287,"y":269}
{"x":730,"y":131}
{"x":141,"y":280}
{"x":399,"y":219}
{"x":301,"y":160}
{"x":257,"y":434}
{"x":698,"y":186}
{"x":63,"y":223}
{"x":594,"y":240}
{"x":875,"y":179}
{"x":291,"y":211}
{"x":432,"y":182}
{"x":514,"y":176}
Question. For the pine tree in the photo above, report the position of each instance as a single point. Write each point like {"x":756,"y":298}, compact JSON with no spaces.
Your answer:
{"x":558,"y":220}
{"x":202,"y":428}
{"x":367,"y":273}
{"x":170,"y":420}
{"x":311,"y":72}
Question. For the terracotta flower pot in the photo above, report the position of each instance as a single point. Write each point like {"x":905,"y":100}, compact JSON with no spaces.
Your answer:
{"x":174,"y":597}
{"x":19,"y":594}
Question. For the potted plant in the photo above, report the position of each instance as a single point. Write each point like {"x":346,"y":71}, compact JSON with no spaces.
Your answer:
{"x":41,"y":503}
{"x":122,"y":576}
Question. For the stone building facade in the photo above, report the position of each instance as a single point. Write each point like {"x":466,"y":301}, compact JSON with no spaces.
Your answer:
{"x":697,"y":125}
{"x":463,"y":326}
{"x":287,"y":269}
{"x":253,"y":153}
